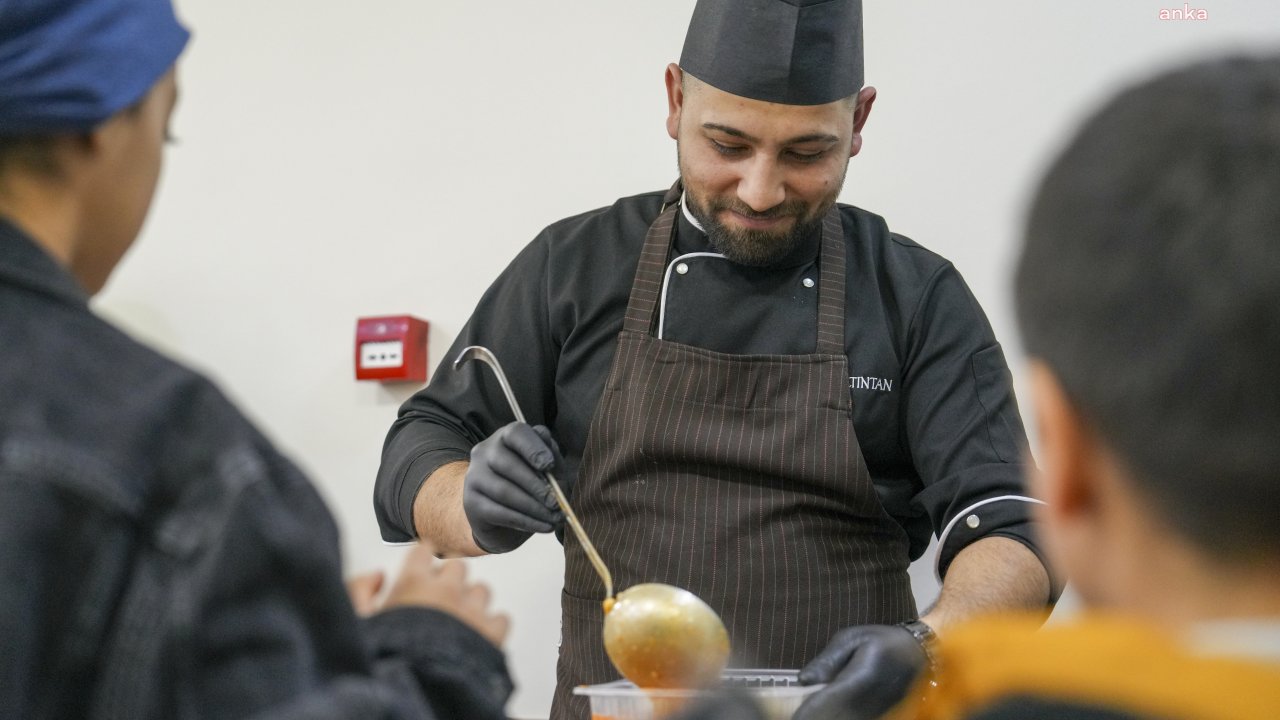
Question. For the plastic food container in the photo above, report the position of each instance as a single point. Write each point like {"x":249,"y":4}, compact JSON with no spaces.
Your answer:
{"x":778,"y":692}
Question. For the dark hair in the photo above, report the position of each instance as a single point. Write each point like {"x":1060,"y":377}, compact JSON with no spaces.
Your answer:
{"x":1150,"y":283}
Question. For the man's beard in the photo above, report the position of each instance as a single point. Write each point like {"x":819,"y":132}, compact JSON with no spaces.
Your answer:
{"x":758,"y":248}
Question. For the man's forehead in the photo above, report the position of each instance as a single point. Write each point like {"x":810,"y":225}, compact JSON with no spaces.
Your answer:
{"x":758,"y":120}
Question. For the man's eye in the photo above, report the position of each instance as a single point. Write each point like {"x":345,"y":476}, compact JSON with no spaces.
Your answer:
{"x":727,"y":149}
{"x":806,"y":157}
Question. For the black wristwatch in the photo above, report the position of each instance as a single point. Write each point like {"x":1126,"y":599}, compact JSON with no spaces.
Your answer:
{"x":927,"y":639}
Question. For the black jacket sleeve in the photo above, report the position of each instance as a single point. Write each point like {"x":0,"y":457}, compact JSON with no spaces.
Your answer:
{"x":459,"y":408}
{"x":461,"y":674}
{"x":961,"y":422}
{"x":236,"y":611}
{"x":277,"y":630}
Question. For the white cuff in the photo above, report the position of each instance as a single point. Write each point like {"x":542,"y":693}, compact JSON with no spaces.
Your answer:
{"x":972,"y":521}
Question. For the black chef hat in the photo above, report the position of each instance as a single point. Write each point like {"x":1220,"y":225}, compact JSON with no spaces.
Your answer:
{"x":796,"y":52}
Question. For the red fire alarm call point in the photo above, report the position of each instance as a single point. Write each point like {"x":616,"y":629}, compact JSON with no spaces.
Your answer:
{"x":391,"y":348}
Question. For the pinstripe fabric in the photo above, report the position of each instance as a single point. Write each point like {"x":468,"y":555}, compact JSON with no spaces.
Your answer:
{"x":737,"y":477}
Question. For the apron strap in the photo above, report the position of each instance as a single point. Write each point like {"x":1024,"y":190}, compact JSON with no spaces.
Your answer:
{"x":649,"y":272}
{"x":831,"y":279}
{"x":674,"y":193}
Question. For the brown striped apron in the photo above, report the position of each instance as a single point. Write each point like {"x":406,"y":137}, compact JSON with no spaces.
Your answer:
{"x":737,"y":477}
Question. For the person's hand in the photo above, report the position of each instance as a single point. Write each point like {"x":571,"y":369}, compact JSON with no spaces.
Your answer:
{"x":364,"y":589}
{"x":868,"y":669}
{"x":442,"y":585}
{"x":505,"y":496}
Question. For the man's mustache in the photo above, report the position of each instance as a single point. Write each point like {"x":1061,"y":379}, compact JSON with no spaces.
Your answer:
{"x":781,"y":210}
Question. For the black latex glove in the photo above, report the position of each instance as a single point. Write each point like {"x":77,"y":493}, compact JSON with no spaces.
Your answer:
{"x":728,"y":705}
{"x":868,"y":668}
{"x":505,"y":496}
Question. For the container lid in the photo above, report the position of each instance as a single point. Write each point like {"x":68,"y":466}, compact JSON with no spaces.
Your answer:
{"x":757,"y":683}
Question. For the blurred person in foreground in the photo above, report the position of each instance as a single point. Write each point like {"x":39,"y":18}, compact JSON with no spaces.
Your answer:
{"x":1148,"y":295}
{"x":158,"y":558}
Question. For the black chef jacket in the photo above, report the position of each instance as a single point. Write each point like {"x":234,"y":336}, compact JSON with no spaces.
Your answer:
{"x":933,"y":401}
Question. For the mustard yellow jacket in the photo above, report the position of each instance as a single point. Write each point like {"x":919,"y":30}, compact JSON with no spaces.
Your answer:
{"x":1096,"y":667}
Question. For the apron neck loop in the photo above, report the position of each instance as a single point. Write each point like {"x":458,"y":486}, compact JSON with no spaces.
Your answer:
{"x":673,"y":195}
{"x":649,"y":271}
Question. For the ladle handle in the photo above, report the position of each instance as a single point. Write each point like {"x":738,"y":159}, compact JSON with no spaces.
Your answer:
{"x":581,"y":532}
{"x":483,"y":354}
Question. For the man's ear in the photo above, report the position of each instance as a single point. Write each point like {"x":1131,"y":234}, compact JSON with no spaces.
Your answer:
{"x":675,"y":99}
{"x":861,"y":111}
{"x":1069,"y":450}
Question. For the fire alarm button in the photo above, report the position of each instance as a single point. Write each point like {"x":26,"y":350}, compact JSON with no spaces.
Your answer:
{"x":391,"y":348}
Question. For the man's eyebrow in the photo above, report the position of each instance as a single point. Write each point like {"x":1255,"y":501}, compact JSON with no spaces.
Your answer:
{"x":729,"y":131}
{"x":811,"y":137}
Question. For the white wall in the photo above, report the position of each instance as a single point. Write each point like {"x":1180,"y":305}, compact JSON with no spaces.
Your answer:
{"x":335,"y":159}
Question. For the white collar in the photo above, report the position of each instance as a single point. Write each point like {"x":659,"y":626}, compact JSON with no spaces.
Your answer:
{"x":684,"y":206}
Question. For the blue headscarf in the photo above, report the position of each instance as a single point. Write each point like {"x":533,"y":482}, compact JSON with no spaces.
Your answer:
{"x":68,"y":65}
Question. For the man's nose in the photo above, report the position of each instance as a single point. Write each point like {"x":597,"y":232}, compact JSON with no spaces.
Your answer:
{"x":761,"y":186}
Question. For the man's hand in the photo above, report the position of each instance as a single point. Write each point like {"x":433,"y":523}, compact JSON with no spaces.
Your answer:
{"x":868,"y":668}
{"x":505,"y":497}
{"x":441,"y":585}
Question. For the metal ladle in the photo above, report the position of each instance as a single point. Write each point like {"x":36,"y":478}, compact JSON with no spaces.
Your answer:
{"x":657,"y":635}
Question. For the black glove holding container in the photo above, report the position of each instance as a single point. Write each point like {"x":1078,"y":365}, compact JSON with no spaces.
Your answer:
{"x":868,"y":669}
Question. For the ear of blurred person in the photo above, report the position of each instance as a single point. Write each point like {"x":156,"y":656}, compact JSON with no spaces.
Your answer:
{"x":1109,"y":536}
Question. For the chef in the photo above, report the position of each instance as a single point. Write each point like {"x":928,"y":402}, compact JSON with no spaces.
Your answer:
{"x":753,"y":392}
